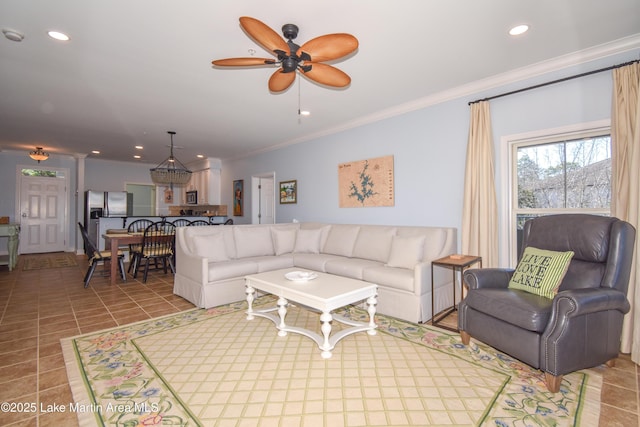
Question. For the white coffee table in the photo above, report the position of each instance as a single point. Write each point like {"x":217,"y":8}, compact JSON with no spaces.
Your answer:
{"x":324,"y":293}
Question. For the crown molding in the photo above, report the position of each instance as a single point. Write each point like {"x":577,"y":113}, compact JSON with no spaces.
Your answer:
{"x":530,"y":71}
{"x":605,"y":50}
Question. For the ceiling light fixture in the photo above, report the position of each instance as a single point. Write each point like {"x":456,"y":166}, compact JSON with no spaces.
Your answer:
{"x":519,"y":29}
{"x":171,"y":170}
{"x":13,"y":35}
{"x":58,"y":36}
{"x":38,"y":154}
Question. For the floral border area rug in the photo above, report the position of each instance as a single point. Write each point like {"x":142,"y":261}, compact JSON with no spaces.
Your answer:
{"x":154,"y":373}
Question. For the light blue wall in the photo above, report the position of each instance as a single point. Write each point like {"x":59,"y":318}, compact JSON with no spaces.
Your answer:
{"x":9,"y":160}
{"x":104,"y":175}
{"x":418,"y":141}
{"x":429,"y":149}
{"x":428,"y":145}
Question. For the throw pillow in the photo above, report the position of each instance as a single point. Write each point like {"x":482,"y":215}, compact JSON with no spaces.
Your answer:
{"x":210,"y":247}
{"x":284,"y":240}
{"x":341,"y":240}
{"x":406,"y":252}
{"x":253,"y":241}
{"x":540,"y":271}
{"x":308,"y":241}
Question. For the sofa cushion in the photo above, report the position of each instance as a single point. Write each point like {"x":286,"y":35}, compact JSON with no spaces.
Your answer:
{"x":350,"y":267}
{"x":436,"y":239}
{"x":269,"y":263}
{"x":374,"y":243}
{"x":308,"y":241}
{"x":231,"y":269}
{"x":540,"y":271}
{"x":315,"y":262}
{"x":211,"y":247}
{"x":284,"y":240}
{"x":406,"y":252}
{"x":253,"y":241}
{"x":389,"y":277}
{"x":341,"y":240}
{"x":227,"y":232}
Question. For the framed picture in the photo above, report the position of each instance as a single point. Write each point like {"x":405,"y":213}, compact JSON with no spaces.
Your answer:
{"x":192,"y":197}
{"x":288,"y":192}
{"x":238,"y":197}
{"x":168,"y":196}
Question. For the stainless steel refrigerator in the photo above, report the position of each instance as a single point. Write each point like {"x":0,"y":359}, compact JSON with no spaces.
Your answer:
{"x":103,"y":204}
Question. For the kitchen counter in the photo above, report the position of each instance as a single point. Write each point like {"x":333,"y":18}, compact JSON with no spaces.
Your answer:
{"x":118,"y":223}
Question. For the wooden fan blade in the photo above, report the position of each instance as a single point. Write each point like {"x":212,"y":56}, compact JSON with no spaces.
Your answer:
{"x":327,"y":75}
{"x":280,"y":81}
{"x":242,"y":62}
{"x":264,"y":35}
{"x":330,"y":46}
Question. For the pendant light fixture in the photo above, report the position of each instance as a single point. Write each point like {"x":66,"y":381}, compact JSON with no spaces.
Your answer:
{"x":171,"y":170}
{"x":38,"y":154}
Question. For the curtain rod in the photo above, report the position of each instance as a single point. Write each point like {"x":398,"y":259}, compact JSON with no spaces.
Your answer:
{"x":554,"y":81}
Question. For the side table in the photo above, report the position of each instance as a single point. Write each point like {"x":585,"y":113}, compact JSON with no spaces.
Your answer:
{"x":12,"y":231}
{"x":457,"y":263}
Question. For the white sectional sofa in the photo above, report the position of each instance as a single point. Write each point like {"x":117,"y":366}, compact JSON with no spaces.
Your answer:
{"x":211,"y":261}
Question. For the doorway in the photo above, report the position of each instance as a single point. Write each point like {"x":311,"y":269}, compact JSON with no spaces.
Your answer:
{"x":142,"y":199}
{"x":42,"y":209}
{"x":263,"y":207}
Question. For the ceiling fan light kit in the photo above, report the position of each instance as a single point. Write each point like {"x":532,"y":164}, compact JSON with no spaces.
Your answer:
{"x":171,"y":171}
{"x":307,"y":59}
{"x":13,"y":35}
{"x":38,"y":154}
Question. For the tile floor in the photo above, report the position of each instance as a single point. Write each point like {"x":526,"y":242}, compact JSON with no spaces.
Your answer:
{"x":39,"y":307}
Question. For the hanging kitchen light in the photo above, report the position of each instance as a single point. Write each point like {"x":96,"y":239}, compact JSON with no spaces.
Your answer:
{"x":38,"y":154}
{"x":171,"y":170}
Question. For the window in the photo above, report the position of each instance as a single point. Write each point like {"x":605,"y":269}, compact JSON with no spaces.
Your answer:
{"x":568,"y":173}
{"x":42,"y":173}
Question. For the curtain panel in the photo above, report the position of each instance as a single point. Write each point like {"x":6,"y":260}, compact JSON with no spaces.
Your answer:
{"x":625,"y":170}
{"x":479,"y":215}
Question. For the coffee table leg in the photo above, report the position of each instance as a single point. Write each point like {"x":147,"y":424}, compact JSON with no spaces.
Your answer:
{"x":282,"y":311}
{"x":372,"y":301}
{"x":250,"y":291}
{"x":326,"y":319}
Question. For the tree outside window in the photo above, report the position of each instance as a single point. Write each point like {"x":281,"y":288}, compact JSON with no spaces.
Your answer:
{"x":567,"y":176}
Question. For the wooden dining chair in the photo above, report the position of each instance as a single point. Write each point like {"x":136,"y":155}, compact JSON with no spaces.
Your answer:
{"x":95,"y":256}
{"x":137,"y":226}
{"x":158,"y":244}
{"x":181,"y":222}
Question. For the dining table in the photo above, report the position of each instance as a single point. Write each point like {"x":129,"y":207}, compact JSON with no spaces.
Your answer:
{"x":113,"y":241}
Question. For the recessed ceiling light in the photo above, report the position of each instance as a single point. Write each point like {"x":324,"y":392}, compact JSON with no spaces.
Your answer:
{"x":136,"y":156}
{"x":139,"y":147}
{"x":96,"y":152}
{"x":519,"y":29}
{"x":305,"y":113}
{"x":200,"y":156}
{"x":58,"y":35}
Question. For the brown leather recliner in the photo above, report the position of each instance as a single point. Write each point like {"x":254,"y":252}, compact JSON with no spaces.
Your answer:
{"x":581,"y":326}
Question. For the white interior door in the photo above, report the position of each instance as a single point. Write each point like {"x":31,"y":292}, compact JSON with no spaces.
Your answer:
{"x":42,"y":214}
{"x":263,"y":209}
{"x":267,"y":204}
